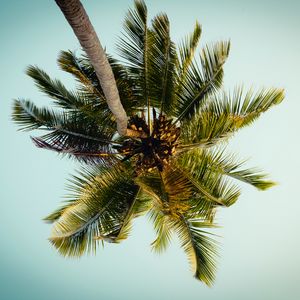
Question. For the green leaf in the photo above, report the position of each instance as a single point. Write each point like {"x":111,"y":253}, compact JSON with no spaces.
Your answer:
{"x":134,"y":48}
{"x":244,"y":107}
{"x":162,"y":65}
{"x":211,"y":186}
{"x":133,"y":211}
{"x":168,"y":189}
{"x":187,"y":50}
{"x":199,"y":247}
{"x":206,"y":129}
{"x":204,"y":81}
{"x":94,"y":107}
{"x":72,"y":134}
{"x":29,"y":117}
{"x":83,"y":71}
{"x":55,"y":89}
{"x":78,"y":137}
{"x":229,"y":165}
{"x":102,"y":199}
{"x":151,"y":58}
{"x":54,"y":216}
{"x":224,"y":114}
{"x":162,"y":228}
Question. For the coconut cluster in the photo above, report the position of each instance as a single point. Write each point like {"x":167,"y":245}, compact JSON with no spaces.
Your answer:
{"x":156,"y":149}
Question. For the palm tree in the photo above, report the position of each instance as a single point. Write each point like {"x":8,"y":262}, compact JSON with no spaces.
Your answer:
{"x":177,"y":171}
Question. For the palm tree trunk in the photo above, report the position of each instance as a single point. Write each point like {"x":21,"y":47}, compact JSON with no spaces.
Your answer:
{"x":78,"y":19}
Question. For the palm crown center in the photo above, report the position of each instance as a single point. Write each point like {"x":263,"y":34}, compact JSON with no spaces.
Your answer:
{"x":155,"y":147}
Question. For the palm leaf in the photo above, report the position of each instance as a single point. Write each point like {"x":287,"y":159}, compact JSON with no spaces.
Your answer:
{"x":151,"y":186}
{"x":168,"y":189}
{"x":225,"y":113}
{"x":133,"y":47}
{"x":72,"y":134}
{"x":170,"y":212}
{"x":229,"y":165}
{"x":244,"y":107}
{"x":55,"y":215}
{"x":206,"y":130}
{"x":29,"y":117}
{"x":94,"y":107}
{"x":134,"y":210}
{"x":210,"y":185}
{"x":140,"y":206}
{"x":102,"y":197}
{"x":55,"y":89}
{"x":83,"y":71}
{"x":202,"y":82}
{"x":162,"y":228}
{"x":199,"y":247}
{"x":162,"y":65}
{"x":187,"y":50}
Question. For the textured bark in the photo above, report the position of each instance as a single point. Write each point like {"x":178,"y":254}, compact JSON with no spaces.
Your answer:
{"x":78,"y":19}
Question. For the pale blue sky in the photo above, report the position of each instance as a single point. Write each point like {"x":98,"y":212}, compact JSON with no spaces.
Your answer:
{"x":259,"y":258}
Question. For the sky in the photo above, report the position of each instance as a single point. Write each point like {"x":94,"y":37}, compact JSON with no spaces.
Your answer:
{"x":260,"y":245}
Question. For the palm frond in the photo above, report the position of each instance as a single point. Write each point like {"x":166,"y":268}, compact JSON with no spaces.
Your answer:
{"x":29,"y":117}
{"x":151,"y":186}
{"x":93,"y":106}
{"x":168,"y":189}
{"x":187,"y":50}
{"x":73,"y":101}
{"x":177,"y":187}
{"x":72,"y":133}
{"x":162,"y":65}
{"x":206,"y":129}
{"x":224,"y":114}
{"x":80,"y":138}
{"x":200,"y":248}
{"x":141,"y":205}
{"x":204,"y":81}
{"x":134,"y":46}
{"x":210,"y":185}
{"x":244,"y":107}
{"x":102,"y":197}
{"x":229,"y":165}
{"x":103,"y":154}
{"x":55,"y":215}
{"x":162,"y":228}
{"x":55,"y":89}
{"x":83,"y":71}
{"x":133,"y":211}
{"x":168,"y":216}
